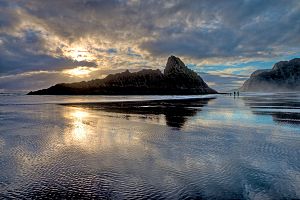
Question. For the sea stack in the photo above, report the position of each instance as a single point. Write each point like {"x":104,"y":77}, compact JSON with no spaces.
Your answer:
{"x":177,"y":79}
{"x":284,"y":76}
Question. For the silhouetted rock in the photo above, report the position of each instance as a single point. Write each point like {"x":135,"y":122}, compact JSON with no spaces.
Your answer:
{"x":284,"y":76}
{"x":176,"y":80}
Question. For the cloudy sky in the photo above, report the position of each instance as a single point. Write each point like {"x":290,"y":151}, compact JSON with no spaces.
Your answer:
{"x":43,"y":42}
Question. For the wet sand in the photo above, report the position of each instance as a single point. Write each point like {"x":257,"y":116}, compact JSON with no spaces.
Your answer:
{"x":212,"y":148}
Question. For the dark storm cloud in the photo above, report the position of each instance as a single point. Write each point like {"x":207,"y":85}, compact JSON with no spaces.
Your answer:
{"x":198,"y":29}
{"x":8,"y":17}
{"x":73,"y":19}
{"x":19,"y":54}
{"x":230,"y":28}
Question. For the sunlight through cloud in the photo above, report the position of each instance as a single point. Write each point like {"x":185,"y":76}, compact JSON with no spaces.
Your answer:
{"x":79,"y":71}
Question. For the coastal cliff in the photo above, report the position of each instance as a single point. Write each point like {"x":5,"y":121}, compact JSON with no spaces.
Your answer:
{"x":177,"y":79}
{"x":284,"y":76}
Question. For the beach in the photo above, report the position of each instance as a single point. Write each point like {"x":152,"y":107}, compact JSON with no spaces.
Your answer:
{"x":150,"y":147}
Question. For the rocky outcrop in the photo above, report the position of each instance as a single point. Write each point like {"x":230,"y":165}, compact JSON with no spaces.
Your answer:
{"x":177,"y":79}
{"x":284,"y":76}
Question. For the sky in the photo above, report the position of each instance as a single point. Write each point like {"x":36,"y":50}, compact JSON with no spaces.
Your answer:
{"x":52,"y":41}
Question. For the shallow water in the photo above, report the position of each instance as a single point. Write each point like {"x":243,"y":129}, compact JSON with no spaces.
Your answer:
{"x":84,"y":147}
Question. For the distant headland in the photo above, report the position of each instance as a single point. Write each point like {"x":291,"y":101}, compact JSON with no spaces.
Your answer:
{"x":284,"y":76}
{"x":177,"y":79}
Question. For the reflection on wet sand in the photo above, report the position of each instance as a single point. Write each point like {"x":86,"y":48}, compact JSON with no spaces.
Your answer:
{"x":80,"y":131}
{"x":93,"y":131}
{"x":176,"y":112}
{"x":128,"y":151}
{"x":280,"y":117}
{"x":284,"y":107}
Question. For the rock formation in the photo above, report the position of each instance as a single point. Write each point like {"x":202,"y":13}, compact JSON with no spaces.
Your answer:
{"x":177,"y":79}
{"x":284,"y":76}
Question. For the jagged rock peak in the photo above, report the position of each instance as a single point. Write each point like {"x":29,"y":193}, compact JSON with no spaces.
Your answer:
{"x":174,"y":64}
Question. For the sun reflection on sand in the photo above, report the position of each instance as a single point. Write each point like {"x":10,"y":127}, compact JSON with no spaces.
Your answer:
{"x":81,"y":131}
{"x":95,"y":132}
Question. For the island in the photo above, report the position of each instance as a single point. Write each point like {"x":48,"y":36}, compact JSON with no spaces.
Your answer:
{"x":177,"y":79}
{"x":283,"y":77}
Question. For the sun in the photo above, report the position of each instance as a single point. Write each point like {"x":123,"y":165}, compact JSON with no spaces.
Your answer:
{"x":79,"y":71}
{"x":79,"y":53}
